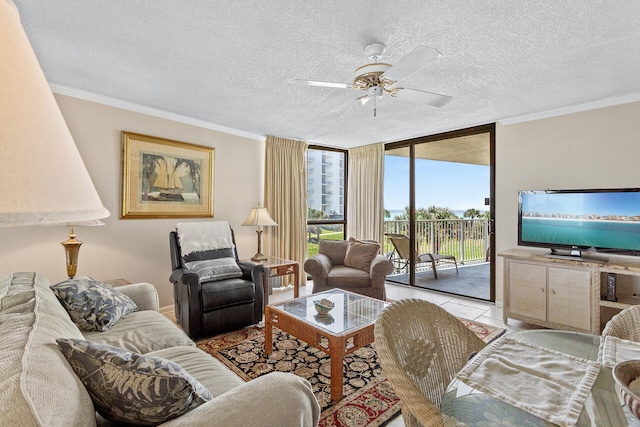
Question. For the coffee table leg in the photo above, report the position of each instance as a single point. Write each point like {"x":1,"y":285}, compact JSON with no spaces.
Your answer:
{"x":268,"y":331}
{"x":337,"y":377}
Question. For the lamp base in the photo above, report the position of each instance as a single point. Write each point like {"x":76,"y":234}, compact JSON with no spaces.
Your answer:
{"x":258,"y":257}
{"x":71,"y":250}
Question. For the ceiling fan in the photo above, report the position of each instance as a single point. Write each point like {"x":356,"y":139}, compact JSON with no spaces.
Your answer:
{"x":376,"y":79}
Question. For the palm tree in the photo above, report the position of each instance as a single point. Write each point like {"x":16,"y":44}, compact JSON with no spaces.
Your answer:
{"x":316,"y":229}
{"x":194,"y":173}
{"x":432,"y":212}
{"x":149,"y":162}
{"x":472,"y":213}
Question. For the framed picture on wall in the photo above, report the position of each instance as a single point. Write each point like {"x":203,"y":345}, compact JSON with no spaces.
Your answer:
{"x":162,"y":178}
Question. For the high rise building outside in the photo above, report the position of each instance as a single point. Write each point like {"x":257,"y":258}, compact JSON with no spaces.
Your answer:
{"x":325,"y":182}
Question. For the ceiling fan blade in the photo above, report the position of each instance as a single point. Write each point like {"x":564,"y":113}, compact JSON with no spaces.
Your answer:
{"x":422,"y":97}
{"x":412,"y":62}
{"x":354,"y":107}
{"x":317,"y":83}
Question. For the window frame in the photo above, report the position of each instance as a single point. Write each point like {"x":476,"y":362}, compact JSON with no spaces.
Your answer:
{"x":342,"y":221}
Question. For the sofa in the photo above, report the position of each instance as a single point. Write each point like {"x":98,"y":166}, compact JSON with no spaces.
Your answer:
{"x":352,"y":265}
{"x":39,"y":387}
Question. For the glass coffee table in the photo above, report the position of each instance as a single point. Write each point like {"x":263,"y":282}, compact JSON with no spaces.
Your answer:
{"x":347,"y":327}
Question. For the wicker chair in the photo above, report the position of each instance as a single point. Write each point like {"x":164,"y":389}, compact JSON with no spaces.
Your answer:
{"x":421,"y":347}
{"x":624,"y":325}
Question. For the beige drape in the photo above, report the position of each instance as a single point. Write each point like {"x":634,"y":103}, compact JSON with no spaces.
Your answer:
{"x":366,"y":192}
{"x":285,"y":196}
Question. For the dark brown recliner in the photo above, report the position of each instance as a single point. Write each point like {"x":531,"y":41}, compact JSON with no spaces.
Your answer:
{"x":213,"y":291}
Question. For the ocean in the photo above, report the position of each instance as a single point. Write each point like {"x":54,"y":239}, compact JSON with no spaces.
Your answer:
{"x":602,"y":234}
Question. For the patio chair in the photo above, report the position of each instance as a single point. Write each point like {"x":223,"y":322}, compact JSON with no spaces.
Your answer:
{"x":421,"y":348}
{"x":401,"y":247}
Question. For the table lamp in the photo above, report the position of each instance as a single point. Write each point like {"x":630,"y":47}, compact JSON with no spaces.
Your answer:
{"x":259,"y":217}
{"x":42,"y":177}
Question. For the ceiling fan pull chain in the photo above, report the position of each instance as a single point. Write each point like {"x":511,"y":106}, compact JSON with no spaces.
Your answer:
{"x":374,"y":105}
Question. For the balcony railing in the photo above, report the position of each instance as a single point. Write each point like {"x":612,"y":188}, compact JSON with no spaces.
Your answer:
{"x":466,"y":239}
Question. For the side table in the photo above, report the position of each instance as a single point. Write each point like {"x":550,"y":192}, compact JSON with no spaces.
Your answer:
{"x":116,"y":282}
{"x":279,"y":267}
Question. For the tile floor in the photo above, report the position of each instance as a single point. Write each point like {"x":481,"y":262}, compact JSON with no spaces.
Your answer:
{"x":481,"y":311}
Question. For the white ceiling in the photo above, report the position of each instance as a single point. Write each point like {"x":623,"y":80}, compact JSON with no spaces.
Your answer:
{"x":225,"y":64}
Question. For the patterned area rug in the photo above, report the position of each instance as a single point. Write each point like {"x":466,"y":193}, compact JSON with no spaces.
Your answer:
{"x":368,"y":399}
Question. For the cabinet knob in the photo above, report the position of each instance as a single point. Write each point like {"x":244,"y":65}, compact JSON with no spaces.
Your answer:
{"x":553,"y":292}
{"x":541,"y":289}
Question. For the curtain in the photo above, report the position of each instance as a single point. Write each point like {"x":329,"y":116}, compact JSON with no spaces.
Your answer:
{"x":366,"y":193}
{"x":285,"y":193}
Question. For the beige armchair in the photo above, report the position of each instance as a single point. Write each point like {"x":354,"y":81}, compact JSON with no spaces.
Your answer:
{"x":352,"y":265}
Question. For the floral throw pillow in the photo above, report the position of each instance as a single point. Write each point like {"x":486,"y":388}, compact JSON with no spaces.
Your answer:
{"x":132,"y":388}
{"x":93,"y":305}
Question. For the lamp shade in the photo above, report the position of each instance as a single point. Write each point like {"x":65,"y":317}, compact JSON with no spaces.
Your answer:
{"x":260,"y":217}
{"x":90,"y":223}
{"x":42,"y":177}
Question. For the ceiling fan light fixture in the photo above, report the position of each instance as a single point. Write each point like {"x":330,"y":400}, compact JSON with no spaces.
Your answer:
{"x":368,"y":75}
{"x":376,"y":79}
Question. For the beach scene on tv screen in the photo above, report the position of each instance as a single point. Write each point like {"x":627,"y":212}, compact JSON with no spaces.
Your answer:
{"x":601,"y":219}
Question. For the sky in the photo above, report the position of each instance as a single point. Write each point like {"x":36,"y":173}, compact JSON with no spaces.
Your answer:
{"x":456,"y":186}
{"x":607,"y":203}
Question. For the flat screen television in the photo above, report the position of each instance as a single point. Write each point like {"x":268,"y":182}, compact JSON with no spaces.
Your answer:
{"x":570,"y":221}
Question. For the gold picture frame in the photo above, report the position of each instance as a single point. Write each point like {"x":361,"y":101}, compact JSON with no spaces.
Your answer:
{"x":162,"y":178}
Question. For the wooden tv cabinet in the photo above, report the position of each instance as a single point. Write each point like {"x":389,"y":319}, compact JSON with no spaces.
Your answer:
{"x":561,"y":293}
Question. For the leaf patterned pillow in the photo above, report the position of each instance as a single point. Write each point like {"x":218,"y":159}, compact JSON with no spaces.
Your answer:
{"x":93,"y":305}
{"x":132,"y":388}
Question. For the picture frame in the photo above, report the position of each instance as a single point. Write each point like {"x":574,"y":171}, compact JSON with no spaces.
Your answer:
{"x":163,"y":178}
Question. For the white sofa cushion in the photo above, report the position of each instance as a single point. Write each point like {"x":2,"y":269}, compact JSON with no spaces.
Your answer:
{"x":209,"y":371}
{"x":142,"y":332}
{"x":37,"y":385}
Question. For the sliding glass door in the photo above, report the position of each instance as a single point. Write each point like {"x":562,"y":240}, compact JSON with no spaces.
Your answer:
{"x":438,"y":200}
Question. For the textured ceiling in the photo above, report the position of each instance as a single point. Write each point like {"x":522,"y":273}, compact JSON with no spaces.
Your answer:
{"x":226,"y":63}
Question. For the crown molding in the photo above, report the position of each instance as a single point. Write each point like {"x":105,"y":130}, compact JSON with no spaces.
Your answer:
{"x":626,"y":99}
{"x":130,"y":106}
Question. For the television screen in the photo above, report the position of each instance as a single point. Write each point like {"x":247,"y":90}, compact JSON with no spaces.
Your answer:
{"x":607,"y":220}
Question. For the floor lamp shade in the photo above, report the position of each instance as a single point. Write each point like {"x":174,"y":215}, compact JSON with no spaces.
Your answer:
{"x":43,"y":179}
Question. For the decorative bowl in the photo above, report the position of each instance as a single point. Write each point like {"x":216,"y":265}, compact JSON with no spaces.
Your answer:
{"x":323,"y":306}
{"x":627,"y":376}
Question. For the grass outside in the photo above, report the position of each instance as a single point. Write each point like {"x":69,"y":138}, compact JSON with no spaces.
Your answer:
{"x":312,"y":248}
{"x":473,"y":248}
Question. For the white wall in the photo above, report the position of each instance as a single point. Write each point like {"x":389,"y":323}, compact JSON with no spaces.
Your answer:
{"x":593,"y":149}
{"x":135,"y":249}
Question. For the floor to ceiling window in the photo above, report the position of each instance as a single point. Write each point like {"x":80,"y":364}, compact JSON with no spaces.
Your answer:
{"x":438,"y":198}
{"x":326,"y":195}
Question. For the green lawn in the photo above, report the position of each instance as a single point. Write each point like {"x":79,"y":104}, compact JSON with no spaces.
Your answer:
{"x":312,"y":248}
{"x":473,"y":247}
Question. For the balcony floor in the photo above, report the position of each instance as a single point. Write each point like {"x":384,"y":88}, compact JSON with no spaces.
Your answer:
{"x":471,"y":281}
